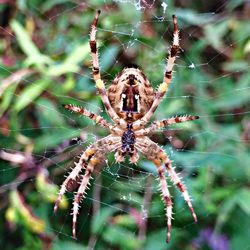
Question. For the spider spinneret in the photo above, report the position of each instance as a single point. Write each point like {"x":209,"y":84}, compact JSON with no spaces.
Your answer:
{"x":130,"y":102}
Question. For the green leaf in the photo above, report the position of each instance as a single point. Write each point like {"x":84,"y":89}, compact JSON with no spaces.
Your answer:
{"x":100,"y":219}
{"x":156,"y":239}
{"x":121,"y":237}
{"x":124,"y":220}
{"x":44,"y":109}
{"x":66,"y":245}
{"x":48,"y":5}
{"x":30,"y":93}
{"x":236,"y":65}
{"x":21,"y":213}
{"x":244,"y":200}
{"x":7,"y":98}
{"x":70,"y":64}
{"x":232,"y":4}
{"x":214,"y":34}
{"x":108,"y":57}
{"x":247,"y":47}
{"x":48,"y":190}
{"x":192,"y":17}
{"x":52,"y":139}
{"x":28,"y":47}
{"x":241,"y":198}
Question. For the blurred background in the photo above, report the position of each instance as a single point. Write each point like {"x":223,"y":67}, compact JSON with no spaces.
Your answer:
{"x":45,"y":62}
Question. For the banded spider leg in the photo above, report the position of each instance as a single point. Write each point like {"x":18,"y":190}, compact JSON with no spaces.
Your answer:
{"x":154,"y":153}
{"x":90,"y":158}
{"x":163,"y":88}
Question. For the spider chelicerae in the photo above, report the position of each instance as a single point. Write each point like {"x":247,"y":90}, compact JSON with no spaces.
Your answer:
{"x":130,"y":102}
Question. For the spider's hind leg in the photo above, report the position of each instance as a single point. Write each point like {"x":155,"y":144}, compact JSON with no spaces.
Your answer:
{"x":96,"y":118}
{"x":163,"y":87}
{"x":97,"y":76}
{"x":165,"y":197}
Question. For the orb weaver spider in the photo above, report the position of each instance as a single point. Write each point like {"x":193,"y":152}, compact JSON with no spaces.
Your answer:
{"x":130,"y":102}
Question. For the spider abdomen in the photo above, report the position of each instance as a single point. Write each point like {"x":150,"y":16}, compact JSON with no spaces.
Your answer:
{"x":131,"y":94}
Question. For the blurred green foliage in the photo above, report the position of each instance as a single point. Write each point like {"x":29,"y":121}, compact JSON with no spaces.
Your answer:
{"x":45,"y":62}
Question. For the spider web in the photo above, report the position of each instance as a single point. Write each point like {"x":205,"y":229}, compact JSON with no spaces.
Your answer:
{"x":193,"y":147}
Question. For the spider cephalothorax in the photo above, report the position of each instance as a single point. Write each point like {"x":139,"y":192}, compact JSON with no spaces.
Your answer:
{"x":128,"y":140}
{"x":130,"y":102}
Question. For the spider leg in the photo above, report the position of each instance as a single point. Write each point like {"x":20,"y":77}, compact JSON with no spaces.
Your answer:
{"x":154,"y":153}
{"x":163,"y":88}
{"x":97,"y":76}
{"x":178,"y":183}
{"x":93,"y":48}
{"x":166,"y":198}
{"x":96,"y":118}
{"x":81,"y":192}
{"x":106,"y":144}
{"x":150,"y":151}
{"x":72,"y":177}
{"x":163,"y":123}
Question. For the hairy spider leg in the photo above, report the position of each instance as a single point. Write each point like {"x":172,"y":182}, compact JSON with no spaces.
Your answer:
{"x":97,"y":76}
{"x":93,"y":48}
{"x":81,"y":192}
{"x":164,"y":123}
{"x":151,"y":151}
{"x":104,"y":145}
{"x":178,"y":183}
{"x":96,"y":118}
{"x":156,"y":154}
{"x":72,"y":177}
{"x":166,"y":198}
{"x":163,"y":88}
{"x":94,"y":154}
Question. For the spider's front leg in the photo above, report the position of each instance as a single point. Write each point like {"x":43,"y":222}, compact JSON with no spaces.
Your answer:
{"x":150,"y":150}
{"x":90,"y":158}
{"x":72,"y":178}
{"x":154,"y":153}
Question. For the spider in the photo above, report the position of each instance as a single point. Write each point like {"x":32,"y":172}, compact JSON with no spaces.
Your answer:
{"x":130,"y":102}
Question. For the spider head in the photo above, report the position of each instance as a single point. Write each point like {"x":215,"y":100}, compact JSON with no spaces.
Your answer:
{"x":131,"y":94}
